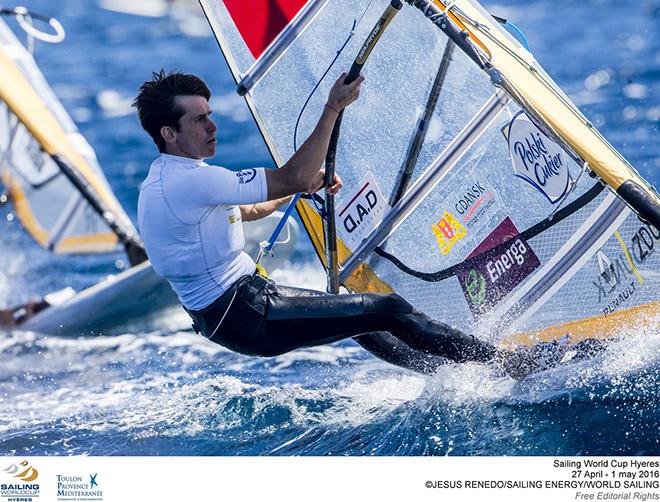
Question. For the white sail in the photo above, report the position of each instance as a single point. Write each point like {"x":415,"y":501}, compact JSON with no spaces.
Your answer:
{"x":512,"y":197}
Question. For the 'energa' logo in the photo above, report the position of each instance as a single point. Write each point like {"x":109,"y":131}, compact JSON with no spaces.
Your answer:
{"x":536,"y":158}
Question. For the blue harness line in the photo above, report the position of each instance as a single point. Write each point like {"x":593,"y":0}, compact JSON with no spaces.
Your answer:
{"x":267,"y":246}
{"x":273,"y":238}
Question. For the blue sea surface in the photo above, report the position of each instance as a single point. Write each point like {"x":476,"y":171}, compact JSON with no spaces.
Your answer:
{"x":170,"y":392}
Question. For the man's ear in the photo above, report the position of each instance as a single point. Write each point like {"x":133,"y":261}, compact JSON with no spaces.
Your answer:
{"x":169,"y":134}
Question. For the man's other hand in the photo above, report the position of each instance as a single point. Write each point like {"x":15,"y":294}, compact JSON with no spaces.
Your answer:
{"x":342,"y":95}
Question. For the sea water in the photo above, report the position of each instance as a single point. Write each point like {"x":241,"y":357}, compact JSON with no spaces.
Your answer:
{"x":170,"y":392}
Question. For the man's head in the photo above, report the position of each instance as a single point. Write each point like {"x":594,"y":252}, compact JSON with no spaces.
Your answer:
{"x":173,"y":108}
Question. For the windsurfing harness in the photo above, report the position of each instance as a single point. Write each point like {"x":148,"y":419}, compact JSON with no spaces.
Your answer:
{"x":257,"y":317}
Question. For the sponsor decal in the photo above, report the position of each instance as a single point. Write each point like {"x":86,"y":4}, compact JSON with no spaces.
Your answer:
{"x":246,"y":175}
{"x":24,"y":485}
{"x":448,"y":230}
{"x":618,"y":276}
{"x":79,"y":488}
{"x":362,"y":211}
{"x":473,"y":203}
{"x":234,"y":214}
{"x":495,"y":267}
{"x":536,"y":158}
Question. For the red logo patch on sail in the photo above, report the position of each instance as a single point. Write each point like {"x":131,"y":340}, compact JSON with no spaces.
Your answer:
{"x":260,"y":21}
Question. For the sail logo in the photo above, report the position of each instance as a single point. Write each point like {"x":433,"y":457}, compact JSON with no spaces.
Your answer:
{"x":495,"y":267}
{"x":536,"y":158}
{"x":27,"y":489}
{"x":246,"y":176}
{"x":24,"y":471}
{"x":363,"y":211}
{"x":474,"y":287}
{"x":611,"y":275}
{"x":448,"y":231}
{"x":619,"y":277}
{"x":474,"y":202}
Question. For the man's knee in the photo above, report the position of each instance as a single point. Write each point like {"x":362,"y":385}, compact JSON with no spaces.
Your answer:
{"x":385,"y":304}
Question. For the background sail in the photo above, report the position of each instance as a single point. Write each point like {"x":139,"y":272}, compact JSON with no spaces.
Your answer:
{"x":53,"y":211}
{"x":451,"y":257}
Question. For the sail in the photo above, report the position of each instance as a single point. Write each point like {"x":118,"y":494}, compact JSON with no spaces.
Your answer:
{"x":260,"y":21}
{"x":53,"y":177}
{"x":473,"y":187}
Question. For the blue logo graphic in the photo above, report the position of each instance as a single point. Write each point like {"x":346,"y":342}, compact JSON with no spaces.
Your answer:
{"x":536,"y":158}
{"x":246,"y":175}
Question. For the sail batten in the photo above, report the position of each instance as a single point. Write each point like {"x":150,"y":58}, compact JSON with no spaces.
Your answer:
{"x":414,"y":196}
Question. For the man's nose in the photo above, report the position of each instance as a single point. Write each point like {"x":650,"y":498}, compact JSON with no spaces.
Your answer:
{"x":212,"y":126}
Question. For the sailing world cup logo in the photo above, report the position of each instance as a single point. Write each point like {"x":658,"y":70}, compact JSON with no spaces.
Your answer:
{"x":23,"y":484}
{"x":536,"y":158}
{"x":23,"y":471}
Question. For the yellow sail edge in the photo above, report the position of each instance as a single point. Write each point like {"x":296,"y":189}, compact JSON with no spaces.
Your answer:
{"x":364,"y":279}
{"x":521,"y":71}
{"x":30,"y":109}
{"x":90,"y":243}
{"x":600,"y":326}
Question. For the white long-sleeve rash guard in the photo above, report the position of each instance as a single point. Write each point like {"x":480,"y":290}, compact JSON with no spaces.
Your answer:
{"x":191,"y":225}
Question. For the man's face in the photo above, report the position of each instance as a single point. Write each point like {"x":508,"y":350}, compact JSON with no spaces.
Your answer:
{"x":195,"y":138}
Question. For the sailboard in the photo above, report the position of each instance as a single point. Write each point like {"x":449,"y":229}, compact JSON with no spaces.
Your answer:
{"x":64,"y":201}
{"x":473,"y":186}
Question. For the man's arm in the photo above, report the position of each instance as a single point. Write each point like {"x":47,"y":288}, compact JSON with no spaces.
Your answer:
{"x":253,"y":212}
{"x":303,"y":173}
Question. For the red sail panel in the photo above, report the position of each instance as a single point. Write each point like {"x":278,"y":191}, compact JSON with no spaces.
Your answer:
{"x":260,"y":21}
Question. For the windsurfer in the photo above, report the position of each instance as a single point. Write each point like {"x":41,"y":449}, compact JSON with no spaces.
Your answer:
{"x":190,"y":213}
{"x":14,"y":316}
{"x":11,"y":317}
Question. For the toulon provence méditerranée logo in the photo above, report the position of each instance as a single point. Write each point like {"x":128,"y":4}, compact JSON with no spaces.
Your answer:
{"x":77,"y":487}
{"x":536,"y":158}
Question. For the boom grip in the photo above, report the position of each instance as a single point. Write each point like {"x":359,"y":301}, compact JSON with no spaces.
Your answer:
{"x":353,"y":73}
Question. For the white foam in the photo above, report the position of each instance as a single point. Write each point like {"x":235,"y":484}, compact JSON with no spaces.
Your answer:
{"x":328,"y":354}
{"x":114,"y":104}
{"x":308,"y":276}
{"x":635,"y":91}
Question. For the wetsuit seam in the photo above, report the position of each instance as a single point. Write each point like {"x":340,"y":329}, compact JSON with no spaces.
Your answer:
{"x":206,"y":214}
{"x":206,"y":264}
{"x":167,"y":202}
{"x":149,"y":184}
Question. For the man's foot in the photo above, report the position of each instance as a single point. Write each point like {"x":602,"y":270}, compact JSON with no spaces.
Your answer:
{"x":527,"y":359}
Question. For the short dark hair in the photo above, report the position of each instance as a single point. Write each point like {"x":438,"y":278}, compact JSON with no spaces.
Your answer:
{"x":155,"y":103}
